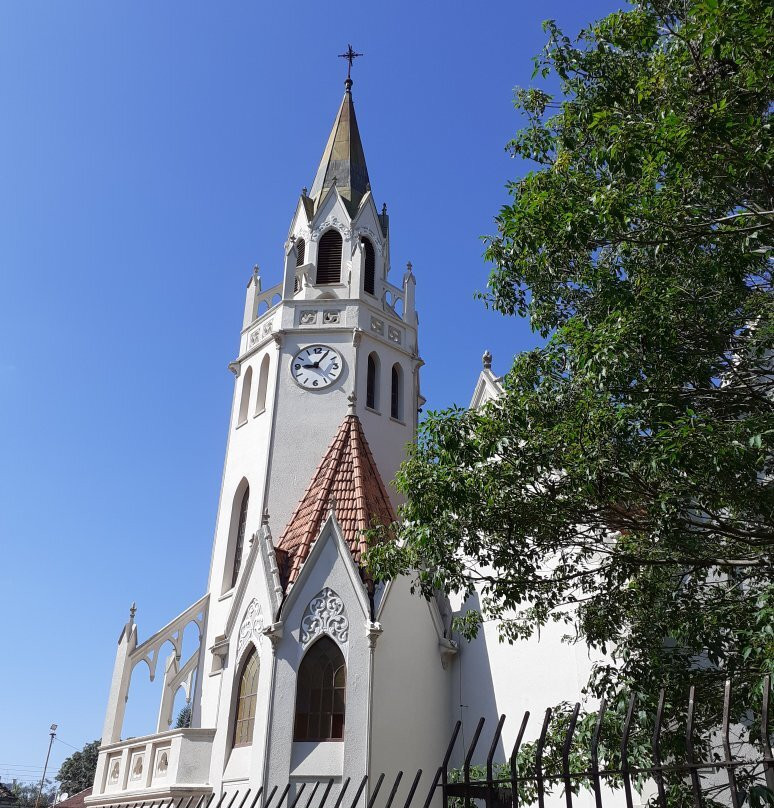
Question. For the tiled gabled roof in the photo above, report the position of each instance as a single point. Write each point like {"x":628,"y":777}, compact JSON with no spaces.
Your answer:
{"x":348,"y":477}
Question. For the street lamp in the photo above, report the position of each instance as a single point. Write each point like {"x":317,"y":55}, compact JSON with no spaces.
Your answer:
{"x":52,"y":733}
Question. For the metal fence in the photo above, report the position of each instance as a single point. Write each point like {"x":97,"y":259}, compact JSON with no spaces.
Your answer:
{"x":530,"y":784}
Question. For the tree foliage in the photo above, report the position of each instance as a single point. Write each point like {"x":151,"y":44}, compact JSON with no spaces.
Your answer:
{"x":77,"y":771}
{"x":623,"y":482}
{"x":27,"y":794}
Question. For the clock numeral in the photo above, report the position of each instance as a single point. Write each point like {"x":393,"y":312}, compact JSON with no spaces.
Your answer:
{"x":318,"y":350}
{"x":335,"y":366}
{"x":297,"y":367}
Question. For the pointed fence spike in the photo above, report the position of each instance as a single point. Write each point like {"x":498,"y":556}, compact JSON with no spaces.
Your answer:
{"x":394,"y":788}
{"x":625,"y":771}
{"x":658,"y":769}
{"x":566,"y":749}
{"x":727,"y":745}
{"x":690,"y":755}
{"x":540,"y":746}
{"x":376,"y":790}
{"x":271,"y":797}
{"x":360,"y":790}
{"x":434,"y":784}
{"x":326,"y":792}
{"x":489,"y":761}
{"x":298,"y":795}
{"x":596,"y":783}
{"x":344,"y":786}
{"x":514,"y":760}
{"x":256,"y":797}
{"x":311,"y":796}
{"x":469,"y":757}
{"x":413,"y":789}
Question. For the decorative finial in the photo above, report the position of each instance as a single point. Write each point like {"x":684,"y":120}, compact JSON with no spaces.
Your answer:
{"x":487,"y":360}
{"x":350,"y":56}
{"x":332,"y":505}
{"x":132,"y":610}
{"x":351,"y":399}
{"x":305,"y":191}
{"x":409,"y":267}
{"x":265,"y":516}
{"x":384,"y":208}
{"x":368,"y":186}
{"x":256,"y":272}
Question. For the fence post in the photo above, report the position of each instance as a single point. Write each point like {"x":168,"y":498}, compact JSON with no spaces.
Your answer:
{"x":514,"y":761}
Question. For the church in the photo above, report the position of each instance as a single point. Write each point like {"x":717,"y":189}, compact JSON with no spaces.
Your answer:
{"x":305,"y":668}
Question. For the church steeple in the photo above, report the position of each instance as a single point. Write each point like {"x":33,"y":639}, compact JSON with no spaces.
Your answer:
{"x":343,"y":161}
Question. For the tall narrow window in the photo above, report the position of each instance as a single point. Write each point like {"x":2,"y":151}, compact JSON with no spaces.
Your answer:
{"x":396,"y":392}
{"x":372,"y":382}
{"x":244,"y":716}
{"x":263,"y":384}
{"x":369,"y":268}
{"x":300,"y":252}
{"x":244,"y":401}
{"x":239,"y":543}
{"x":329,"y":257}
{"x":321,"y":693}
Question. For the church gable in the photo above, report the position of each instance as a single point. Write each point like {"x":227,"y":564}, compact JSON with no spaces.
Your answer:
{"x":346,"y":481}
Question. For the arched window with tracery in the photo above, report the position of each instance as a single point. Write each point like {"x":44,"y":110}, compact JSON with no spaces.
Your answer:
{"x":247,"y":697}
{"x":396,"y":392}
{"x":372,"y":381}
{"x":321,"y":693}
{"x":239,"y":543}
{"x":329,"y":257}
{"x":369,"y":267}
{"x":244,"y":401}
{"x":263,"y":385}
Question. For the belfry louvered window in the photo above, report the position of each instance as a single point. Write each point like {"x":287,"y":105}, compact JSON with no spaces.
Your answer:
{"x":396,"y":392}
{"x":372,"y":382}
{"x":329,"y":258}
{"x":239,"y":543}
{"x":369,"y":269}
{"x":300,"y":252}
{"x":322,"y":693}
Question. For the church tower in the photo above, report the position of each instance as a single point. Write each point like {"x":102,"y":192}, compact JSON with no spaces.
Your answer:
{"x":303,"y":663}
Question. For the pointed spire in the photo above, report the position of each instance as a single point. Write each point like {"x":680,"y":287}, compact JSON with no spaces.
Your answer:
{"x":343,"y":162}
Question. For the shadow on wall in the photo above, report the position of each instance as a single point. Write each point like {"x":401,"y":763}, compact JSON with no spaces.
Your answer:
{"x":473,"y":693}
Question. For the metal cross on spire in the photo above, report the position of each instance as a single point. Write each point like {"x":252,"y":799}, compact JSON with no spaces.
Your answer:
{"x":350,"y":56}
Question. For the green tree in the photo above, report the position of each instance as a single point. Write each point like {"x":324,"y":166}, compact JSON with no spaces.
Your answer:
{"x":77,"y":771}
{"x":623,"y":482}
{"x":27,"y":794}
{"x":183,"y":719}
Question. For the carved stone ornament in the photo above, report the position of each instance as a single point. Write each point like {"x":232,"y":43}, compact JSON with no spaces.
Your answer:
{"x":308,"y":317}
{"x":115,"y":770}
{"x":377,"y":325}
{"x":331,"y":317}
{"x":255,"y":336}
{"x":333,"y":221}
{"x":372,"y":237}
{"x":325,"y":615}
{"x":267,"y":328}
{"x":137,"y":767}
{"x":394,"y":334}
{"x":251,"y":627}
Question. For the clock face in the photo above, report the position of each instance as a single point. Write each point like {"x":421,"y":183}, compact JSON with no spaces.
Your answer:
{"x":316,"y":367}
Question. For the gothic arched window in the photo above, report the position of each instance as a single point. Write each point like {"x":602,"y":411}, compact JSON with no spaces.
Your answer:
{"x":300,"y":252}
{"x":396,"y":392}
{"x":239,"y":543}
{"x":372,"y":382}
{"x":321,"y":693}
{"x":263,"y":384}
{"x":369,"y":267}
{"x":329,"y":257}
{"x":244,"y":401}
{"x":244,"y":715}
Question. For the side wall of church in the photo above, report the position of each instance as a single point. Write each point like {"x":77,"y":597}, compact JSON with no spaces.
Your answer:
{"x":411,"y":690}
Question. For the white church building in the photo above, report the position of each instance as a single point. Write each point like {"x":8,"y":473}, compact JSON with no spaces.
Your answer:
{"x":306,"y":671}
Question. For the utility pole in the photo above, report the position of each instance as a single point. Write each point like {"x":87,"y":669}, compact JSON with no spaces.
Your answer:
{"x":45,"y":765}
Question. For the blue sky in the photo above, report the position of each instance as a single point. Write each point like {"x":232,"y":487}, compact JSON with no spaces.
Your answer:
{"x":150,"y":154}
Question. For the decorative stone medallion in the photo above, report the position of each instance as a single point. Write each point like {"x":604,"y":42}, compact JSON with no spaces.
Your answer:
{"x":377,"y":325}
{"x":135,"y":772}
{"x":115,"y":770}
{"x":331,"y":317}
{"x":325,"y":615}
{"x":250,"y":629}
{"x":255,"y":336}
{"x":394,"y":334}
{"x":162,"y":762}
{"x":267,"y":328}
{"x":308,"y":317}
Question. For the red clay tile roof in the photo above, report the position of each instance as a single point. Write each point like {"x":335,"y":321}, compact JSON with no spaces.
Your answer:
{"x":348,"y":475}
